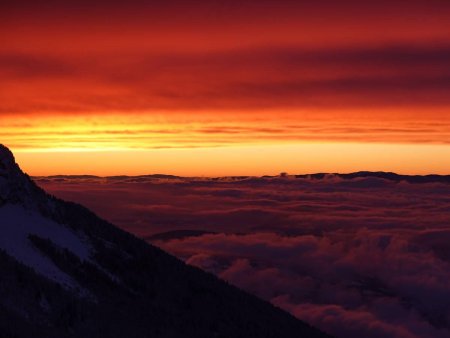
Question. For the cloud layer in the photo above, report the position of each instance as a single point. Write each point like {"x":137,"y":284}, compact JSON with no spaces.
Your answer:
{"x":276,"y":77}
{"x":363,"y":257}
{"x":97,"y":56}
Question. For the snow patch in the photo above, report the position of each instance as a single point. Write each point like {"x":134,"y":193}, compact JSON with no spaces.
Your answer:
{"x":17,"y":223}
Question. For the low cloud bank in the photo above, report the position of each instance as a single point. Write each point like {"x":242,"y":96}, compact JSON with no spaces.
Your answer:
{"x":359,"y":257}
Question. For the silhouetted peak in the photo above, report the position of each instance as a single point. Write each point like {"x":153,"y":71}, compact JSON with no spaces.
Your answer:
{"x":7,"y":162}
{"x":15,"y":186}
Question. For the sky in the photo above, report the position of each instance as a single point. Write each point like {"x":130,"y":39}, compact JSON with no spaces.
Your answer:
{"x":225,"y":87}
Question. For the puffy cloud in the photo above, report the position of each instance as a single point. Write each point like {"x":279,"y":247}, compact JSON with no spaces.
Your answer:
{"x":368,"y":283}
{"x":353,"y":323}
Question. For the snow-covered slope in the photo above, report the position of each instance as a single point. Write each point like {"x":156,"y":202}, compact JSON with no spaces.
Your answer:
{"x":16,"y":226}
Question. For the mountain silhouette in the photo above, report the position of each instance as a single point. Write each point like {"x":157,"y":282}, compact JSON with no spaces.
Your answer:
{"x":64,"y":272}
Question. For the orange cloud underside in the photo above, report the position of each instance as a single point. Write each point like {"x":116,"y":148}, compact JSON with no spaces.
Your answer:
{"x":119,"y":131}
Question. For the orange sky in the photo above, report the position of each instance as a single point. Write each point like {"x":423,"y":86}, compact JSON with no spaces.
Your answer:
{"x":219,"y":87}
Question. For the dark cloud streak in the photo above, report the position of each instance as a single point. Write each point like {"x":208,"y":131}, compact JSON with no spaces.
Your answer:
{"x":242,"y":79}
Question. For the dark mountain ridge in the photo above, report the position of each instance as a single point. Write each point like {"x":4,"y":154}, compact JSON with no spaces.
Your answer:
{"x":64,"y":272}
{"x":390,"y":176}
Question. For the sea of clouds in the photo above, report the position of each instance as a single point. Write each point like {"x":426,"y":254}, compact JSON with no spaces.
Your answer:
{"x":360,"y":257}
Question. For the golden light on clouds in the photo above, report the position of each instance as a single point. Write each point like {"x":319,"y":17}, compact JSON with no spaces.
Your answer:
{"x":225,"y":144}
{"x":120,"y":131}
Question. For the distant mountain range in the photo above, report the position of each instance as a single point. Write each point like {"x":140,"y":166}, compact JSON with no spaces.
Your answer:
{"x":383,"y":175}
{"x":64,"y":272}
{"x":390,"y":176}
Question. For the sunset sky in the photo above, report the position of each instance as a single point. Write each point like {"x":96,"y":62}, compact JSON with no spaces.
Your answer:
{"x":225,"y":87}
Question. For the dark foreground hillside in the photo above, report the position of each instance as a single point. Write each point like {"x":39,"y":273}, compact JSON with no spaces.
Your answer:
{"x":123,"y":287}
